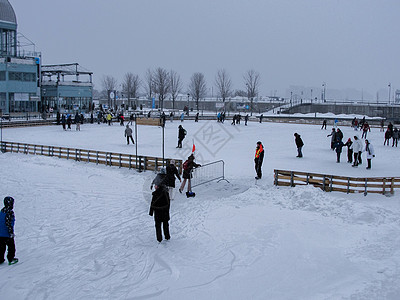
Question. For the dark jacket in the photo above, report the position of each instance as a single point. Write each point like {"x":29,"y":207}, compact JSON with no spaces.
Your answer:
{"x":7,"y":218}
{"x":160,"y":204}
{"x":298,"y":141}
{"x":190,"y":165}
{"x":181,"y":133}
{"x":172,"y":171}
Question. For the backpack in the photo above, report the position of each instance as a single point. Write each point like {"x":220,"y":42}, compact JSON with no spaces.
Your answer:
{"x":186,"y":165}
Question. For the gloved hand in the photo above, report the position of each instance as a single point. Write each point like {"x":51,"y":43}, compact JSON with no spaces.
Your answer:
{"x":373,"y":155}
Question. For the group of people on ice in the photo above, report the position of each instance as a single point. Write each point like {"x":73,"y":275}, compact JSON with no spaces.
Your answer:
{"x":391,"y":133}
{"x":354,"y":148}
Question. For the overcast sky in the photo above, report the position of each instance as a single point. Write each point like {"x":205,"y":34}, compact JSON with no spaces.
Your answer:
{"x":345,"y":43}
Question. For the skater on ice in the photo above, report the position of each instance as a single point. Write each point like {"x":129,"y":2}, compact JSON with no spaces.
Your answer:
{"x":181,"y":135}
{"x":128,"y":134}
{"x":369,"y":149}
{"x":299,"y":144}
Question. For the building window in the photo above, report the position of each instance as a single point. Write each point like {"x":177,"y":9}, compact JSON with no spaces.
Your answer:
{"x":2,"y":75}
{"x":19,"y":76}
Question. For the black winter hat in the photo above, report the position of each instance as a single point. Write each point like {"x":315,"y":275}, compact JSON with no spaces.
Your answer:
{"x":9,"y":202}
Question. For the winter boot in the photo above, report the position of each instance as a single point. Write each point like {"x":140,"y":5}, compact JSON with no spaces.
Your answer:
{"x":14,"y":261}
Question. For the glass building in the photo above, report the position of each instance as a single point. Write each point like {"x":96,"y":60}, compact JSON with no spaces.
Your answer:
{"x":19,"y":71}
{"x":66,"y":88}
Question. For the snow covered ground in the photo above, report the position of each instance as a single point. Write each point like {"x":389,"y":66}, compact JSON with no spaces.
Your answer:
{"x":83,"y":230}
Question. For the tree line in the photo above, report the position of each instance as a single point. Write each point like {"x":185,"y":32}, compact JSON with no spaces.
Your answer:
{"x":161,"y":83}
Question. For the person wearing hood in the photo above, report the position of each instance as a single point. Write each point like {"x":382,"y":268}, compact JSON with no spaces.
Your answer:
{"x":369,"y":149}
{"x":357,"y":149}
{"x":159,"y":207}
{"x":299,"y":144}
{"x":7,"y":221}
{"x":181,"y":135}
{"x":172,"y":172}
{"x":160,"y":179}
{"x":258,"y":159}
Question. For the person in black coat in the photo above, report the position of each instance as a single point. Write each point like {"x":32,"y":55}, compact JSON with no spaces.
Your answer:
{"x":172,"y":172}
{"x":349,"y":145}
{"x":188,"y":166}
{"x":299,"y":144}
{"x":63,"y":121}
{"x":258,"y":159}
{"x":159,"y":207}
{"x":181,"y":136}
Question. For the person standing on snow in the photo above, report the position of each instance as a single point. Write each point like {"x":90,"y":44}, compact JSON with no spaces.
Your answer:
{"x":172,"y":172}
{"x":299,"y":144}
{"x":7,"y":220}
{"x":258,"y":159}
{"x":349,"y":145}
{"x":365,"y":130}
{"x":333,"y":137}
{"x":357,"y":148}
{"x":388,"y":136}
{"x":338,"y":147}
{"x":395,"y":136}
{"x":159,"y":207}
{"x":188,"y":166}
{"x":128,"y":134}
{"x":369,"y":149}
{"x":181,"y":135}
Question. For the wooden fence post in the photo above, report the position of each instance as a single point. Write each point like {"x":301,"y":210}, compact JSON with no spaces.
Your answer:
{"x":276,"y":178}
{"x":291,"y":179}
{"x":366,"y":185}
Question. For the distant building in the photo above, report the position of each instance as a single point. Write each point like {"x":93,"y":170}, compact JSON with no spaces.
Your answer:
{"x":19,"y":70}
{"x":66,"y":88}
{"x":397,"y":97}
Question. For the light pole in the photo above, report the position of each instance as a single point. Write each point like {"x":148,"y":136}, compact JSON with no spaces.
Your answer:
{"x":187,"y":112}
{"x":311,"y":96}
{"x":324,"y":96}
{"x":390,"y":87}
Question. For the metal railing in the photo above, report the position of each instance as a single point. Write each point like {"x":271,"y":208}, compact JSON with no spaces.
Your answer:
{"x":209,"y":172}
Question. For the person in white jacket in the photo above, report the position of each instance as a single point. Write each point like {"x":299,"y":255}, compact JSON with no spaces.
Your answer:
{"x":369,"y":149}
{"x":357,"y":149}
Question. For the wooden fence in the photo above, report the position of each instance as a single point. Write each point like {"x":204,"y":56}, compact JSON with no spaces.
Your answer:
{"x":330,"y":183}
{"x":141,"y":163}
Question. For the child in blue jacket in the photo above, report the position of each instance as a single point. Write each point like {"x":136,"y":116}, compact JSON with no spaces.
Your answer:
{"x":7,"y":220}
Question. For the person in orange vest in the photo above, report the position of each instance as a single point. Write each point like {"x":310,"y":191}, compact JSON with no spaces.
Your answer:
{"x":258,"y":159}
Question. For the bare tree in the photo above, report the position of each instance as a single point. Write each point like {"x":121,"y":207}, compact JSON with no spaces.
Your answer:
{"x":176,"y":86}
{"x":197,"y":87}
{"x":149,"y":84}
{"x":223,"y":84}
{"x":161,"y":80}
{"x":109,"y":84}
{"x":252,"y":82}
{"x":130,"y":86}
